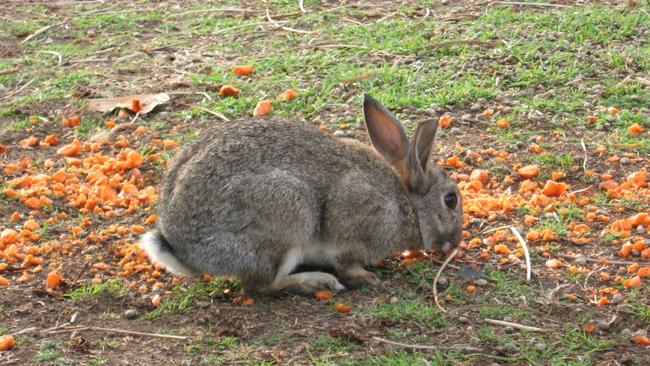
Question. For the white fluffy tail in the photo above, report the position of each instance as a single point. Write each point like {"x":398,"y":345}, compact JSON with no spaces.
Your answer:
{"x":157,"y":248}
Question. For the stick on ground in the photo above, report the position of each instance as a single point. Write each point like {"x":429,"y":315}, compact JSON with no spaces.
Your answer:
{"x":514,"y":325}
{"x":435,"y":280}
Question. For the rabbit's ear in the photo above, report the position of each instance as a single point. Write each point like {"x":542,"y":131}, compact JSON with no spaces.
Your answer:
{"x":418,"y":159}
{"x":423,"y":142}
{"x":386,"y":134}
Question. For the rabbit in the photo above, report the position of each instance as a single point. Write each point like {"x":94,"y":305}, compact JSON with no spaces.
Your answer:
{"x":259,"y":197}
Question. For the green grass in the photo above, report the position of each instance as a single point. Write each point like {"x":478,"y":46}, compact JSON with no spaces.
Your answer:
{"x":113,"y":287}
{"x":182,"y":297}
{"x":409,"y":310}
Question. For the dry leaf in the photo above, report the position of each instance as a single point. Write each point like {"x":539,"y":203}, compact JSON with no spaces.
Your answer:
{"x":147,"y":102}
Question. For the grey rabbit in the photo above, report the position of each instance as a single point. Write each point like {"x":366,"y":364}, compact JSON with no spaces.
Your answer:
{"x":259,"y":197}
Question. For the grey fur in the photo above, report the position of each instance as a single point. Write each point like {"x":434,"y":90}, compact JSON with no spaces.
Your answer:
{"x":247,"y":197}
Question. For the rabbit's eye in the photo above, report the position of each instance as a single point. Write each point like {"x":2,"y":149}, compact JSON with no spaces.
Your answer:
{"x":451,"y":200}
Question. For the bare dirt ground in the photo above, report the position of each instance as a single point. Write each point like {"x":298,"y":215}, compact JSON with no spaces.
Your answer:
{"x":569,"y":80}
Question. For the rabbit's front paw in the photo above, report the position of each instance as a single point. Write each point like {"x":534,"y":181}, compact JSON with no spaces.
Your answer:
{"x":357,"y":276}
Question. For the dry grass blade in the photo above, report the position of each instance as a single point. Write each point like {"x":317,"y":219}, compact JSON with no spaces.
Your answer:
{"x":526,"y":253}
{"x":514,"y":325}
{"x":435,"y":280}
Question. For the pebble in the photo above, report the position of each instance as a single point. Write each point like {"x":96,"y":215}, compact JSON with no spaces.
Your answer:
{"x":475,"y":107}
{"x":466,"y":117}
{"x":481,"y":282}
{"x":463,"y":319}
{"x":509,"y":348}
{"x":617,"y":299}
{"x":131,"y":314}
{"x":469,"y":160}
{"x":457,"y":131}
{"x":507,"y":109}
{"x":443,"y":281}
{"x":603,"y":325}
{"x":580,"y":259}
{"x":640,"y":229}
{"x":626,"y":161}
{"x":508,"y":318}
{"x":349,"y":133}
{"x":509,"y":330}
{"x":626,"y":333}
{"x":540,"y":346}
{"x":394,"y":300}
{"x":339,"y":133}
{"x":520,"y":145}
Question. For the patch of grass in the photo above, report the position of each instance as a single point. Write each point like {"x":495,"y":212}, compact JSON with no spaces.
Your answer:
{"x":182,"y":297}
{"x":327,"y":344}
{"x":20,"y":124}
{"x":507,"y":286}
{"x":3,"y":330}
{"x":115,"y":288}
{"x":97,"y":361}
{"x":410,"y":310}
{"x":47,"y":351}
{"x":500,"y":311}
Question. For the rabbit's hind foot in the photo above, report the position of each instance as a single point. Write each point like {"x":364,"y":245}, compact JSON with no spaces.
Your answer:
{"x":307,"y":283}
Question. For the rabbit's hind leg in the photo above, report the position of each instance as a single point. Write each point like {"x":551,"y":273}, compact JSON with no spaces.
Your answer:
{"x":306,"y":283}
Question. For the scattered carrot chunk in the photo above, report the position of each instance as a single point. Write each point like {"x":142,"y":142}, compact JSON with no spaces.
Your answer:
{"x":54,"y":279}
{"x":243,"y":70}
{"x":7,"y":342}
{"x":342,"y":308}
{"x":228,"y":91}
{"x":444,"y":121}
{"x":288,"y":94}
{"x":528,"y":171}
{"x":503,"y":123}
{"x":262,"y":108}
{"x":322,"y":295}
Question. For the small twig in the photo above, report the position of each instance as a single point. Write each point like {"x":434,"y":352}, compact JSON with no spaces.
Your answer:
{"x":213,"y":10}
{"x":551,"y":294}
{"x":130,"y":332}
{"x":57,"y":54}
{"x":514,"y":325}
{"x":224,"y":30}
{"x":364,"y":76}
{"x":435,"y":280}
{"x":418,"y":346}
{"x":137,"y":114}
{"x":494,"y":229}
{"x":297,"y":30}
{"x":19,"y":90}
{"x":541,"y":5}
{"x":105,"y":12}
{"x":385,"y":17}
{"x":128,"y":57}
{"x":319,"y":46}
{"x":526,"y":253}
{"x":56,"y":327}
{"x":301,"y":5}
{"x":39,"y":31}
{"x":9,"y":71}
{"x":204,"y":94}
{"x":593,"y":260}
{"x":580,"y":190}
{"x":474,"y":42}
{"x":58,"y":3}
{"x":216,"y":114}
{"x":26,"y":330}
{"x":584,"y":149}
